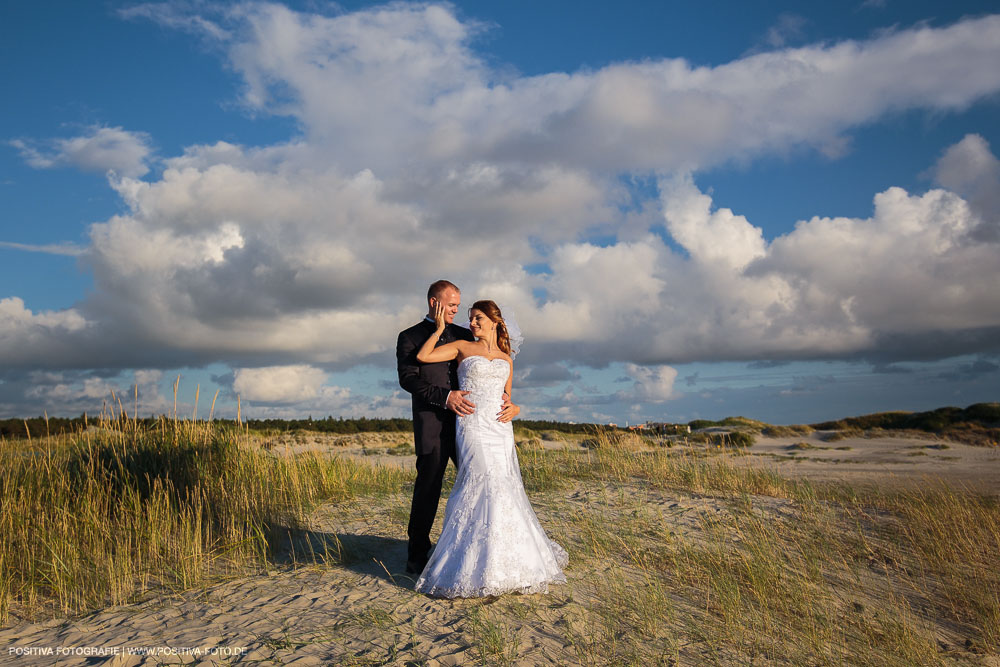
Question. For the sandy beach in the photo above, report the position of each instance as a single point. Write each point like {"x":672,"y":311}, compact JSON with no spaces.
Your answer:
{"x":357,"y":606}
{"x":887,"y":462}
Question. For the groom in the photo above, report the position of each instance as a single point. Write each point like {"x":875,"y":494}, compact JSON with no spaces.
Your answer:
{"x":436,"y":401}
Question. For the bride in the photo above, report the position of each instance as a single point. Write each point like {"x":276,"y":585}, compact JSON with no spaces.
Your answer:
{"x":491,"y":542}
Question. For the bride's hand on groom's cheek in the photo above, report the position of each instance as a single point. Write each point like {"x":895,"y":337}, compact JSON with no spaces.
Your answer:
{"x":439,"y":314}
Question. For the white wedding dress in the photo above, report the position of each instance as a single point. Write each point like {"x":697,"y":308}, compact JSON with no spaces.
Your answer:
{"x":491,"y":542}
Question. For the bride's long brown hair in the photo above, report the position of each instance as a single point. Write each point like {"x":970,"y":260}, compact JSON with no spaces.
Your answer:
{"x":492,"y":311}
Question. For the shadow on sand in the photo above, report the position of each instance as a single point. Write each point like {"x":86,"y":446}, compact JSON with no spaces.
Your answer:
{"x":372,"y":555}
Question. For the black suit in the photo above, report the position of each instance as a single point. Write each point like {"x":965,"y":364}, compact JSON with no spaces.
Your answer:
{"x":433,"y":425}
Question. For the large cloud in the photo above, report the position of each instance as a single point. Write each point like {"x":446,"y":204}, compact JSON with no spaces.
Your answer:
{"x":892,"y":285}
{"x":395,"y":85}
{"x":418,"y":160}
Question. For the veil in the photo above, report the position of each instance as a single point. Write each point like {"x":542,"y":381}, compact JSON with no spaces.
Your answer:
{"x":514,"y":331}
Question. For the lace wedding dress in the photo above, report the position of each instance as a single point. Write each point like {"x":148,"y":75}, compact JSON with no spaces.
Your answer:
{"x":491,"y":542}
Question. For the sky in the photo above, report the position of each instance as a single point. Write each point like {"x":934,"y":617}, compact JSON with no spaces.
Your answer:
{"x":785,"y":211}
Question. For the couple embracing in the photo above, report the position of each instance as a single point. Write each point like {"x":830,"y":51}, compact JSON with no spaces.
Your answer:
{"x":460,"y":380}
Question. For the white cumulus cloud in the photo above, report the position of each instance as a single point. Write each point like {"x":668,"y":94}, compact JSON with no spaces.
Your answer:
{"x":970,"y":169}
{"x":384,"y":87}
{"x":278,"y":384}
{"x":652,"y":383}
{"x":831,"y":287}
{"x":101,"y":149}
{"x":417,"y":160}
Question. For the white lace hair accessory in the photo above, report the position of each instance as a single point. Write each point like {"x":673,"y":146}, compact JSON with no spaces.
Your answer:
{"x":514,"y":331}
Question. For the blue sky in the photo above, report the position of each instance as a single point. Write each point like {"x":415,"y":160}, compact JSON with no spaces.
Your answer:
{"x":693,"y":209}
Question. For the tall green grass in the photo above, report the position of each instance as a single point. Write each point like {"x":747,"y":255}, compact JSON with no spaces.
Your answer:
{"x":103,"y":516}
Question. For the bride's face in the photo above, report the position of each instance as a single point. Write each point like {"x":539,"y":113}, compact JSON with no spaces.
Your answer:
{"x":480,"y":324}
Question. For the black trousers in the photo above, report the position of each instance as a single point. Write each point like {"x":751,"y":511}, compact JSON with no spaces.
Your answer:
{"x":426,"y":495}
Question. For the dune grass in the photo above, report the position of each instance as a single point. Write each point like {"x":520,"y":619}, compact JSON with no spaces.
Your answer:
{"x":789,"y":571}
{"x":106,"y":515}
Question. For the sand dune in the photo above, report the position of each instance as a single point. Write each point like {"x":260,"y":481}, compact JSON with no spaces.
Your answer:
{"x":356,"y":605}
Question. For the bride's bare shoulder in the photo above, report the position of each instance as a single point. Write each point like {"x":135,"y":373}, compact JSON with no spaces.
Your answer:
{"x":465,"y":348}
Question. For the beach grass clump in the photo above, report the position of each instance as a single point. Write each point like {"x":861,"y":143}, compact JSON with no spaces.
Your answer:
{"x":733,"y":423}
{"x":522,"y":432}
{"x":779,"y":431}
{"x":105,"y":515}
{"x":548,"y":470}
{"x":952,"y":541}
{"x":843,"y":434}
{"x":608,"y":439}
{"x":734,"y":439}
{"x":802,"y":446}
{"x":495,"y":639}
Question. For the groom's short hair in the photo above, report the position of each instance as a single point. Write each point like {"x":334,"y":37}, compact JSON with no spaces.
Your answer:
{"x":439,"y":286}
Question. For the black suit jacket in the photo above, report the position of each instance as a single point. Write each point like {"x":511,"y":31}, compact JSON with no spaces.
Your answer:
{"x":429,"y":385}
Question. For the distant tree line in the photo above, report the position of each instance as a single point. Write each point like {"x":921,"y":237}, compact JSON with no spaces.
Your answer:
{"x":934,"y":421}
{"x":40,"y":426}
{"x":331,"y":425}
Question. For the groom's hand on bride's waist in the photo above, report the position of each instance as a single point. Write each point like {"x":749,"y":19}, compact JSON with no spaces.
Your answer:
{"x":459,"y":404}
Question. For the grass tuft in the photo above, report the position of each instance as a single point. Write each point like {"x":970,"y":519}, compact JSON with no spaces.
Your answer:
{"x":103,"y":517}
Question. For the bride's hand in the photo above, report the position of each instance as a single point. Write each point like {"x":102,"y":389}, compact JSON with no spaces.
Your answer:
{"x":439,"y":311}
{"x":508,"y":410}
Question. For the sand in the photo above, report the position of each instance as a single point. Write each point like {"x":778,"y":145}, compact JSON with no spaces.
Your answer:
{"x":361,"y":609}
{"x":885,"y":462}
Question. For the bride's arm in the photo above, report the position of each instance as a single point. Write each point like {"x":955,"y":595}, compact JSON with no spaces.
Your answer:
{"x":508,"y":410}
{"x":429,"y":354}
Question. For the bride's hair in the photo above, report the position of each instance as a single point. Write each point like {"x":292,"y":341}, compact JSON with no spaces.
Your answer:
{"x":492,"y":311}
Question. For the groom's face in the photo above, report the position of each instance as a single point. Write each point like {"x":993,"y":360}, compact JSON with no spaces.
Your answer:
{"x":451,"y":300}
